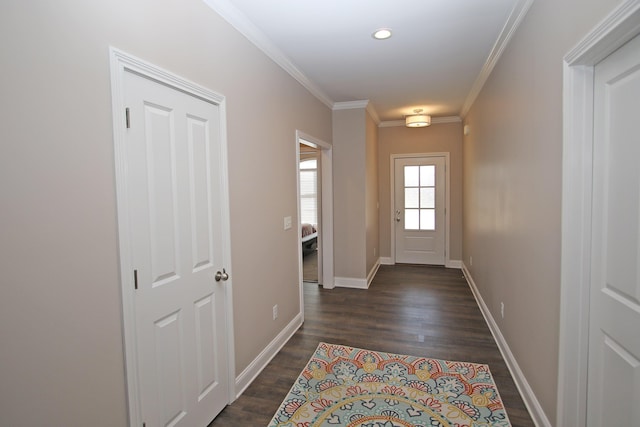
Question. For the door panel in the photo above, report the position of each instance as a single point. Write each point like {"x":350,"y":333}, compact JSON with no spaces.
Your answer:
{"x":160,"y":160}
{"x":614,"y":340}
{"x":169,"y":369}
{"x":176,"y":225}
{"x":206,"y":351}
{"x":420,"y":224}
{"x":200,"y":200}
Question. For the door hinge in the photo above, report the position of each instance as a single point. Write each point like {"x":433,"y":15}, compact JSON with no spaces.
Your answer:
{"x":135,"y":279}
{"x":127,"y":117}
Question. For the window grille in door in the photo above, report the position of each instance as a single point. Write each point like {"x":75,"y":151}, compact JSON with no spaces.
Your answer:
{"x":420,"y":197}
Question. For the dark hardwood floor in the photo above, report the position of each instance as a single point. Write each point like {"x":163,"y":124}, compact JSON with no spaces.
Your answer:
{"x":415,"y":310}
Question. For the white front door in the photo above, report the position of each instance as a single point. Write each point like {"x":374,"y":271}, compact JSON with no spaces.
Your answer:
{"x":174,"y":216}
{"x":419,"y":210}
{"x":614,"y":331}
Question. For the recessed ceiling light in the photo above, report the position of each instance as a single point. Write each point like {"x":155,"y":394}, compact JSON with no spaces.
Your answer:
{"x":382,"y":34}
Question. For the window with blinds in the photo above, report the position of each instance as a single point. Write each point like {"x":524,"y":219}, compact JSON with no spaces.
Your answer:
{"x":309,"y":191}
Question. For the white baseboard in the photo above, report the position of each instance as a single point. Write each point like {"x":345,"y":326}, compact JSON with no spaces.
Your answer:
{"x":386,"y":260}
{"x":453,"y":263}
{"x":350,"y":282}
{"x":531,"y":402}
{"x":250,"y":373}
{"x":356,"y":283}
{"x":373,"y":272}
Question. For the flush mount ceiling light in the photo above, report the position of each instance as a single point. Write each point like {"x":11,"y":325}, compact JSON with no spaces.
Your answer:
{"x":417,"y":120}
{"x":381,"y":34}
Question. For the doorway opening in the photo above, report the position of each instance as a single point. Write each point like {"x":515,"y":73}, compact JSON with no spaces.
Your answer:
{"x":310,"y":205}
{"x":314,"y":169}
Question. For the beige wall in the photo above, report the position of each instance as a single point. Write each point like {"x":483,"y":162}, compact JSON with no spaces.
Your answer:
{"x":60,"y":310}
{"x":355,"y":193}
{"x":371,"y":204}
{"x":437,"y":138}
{"x":512,"y":186}
{"x":349,"y":197}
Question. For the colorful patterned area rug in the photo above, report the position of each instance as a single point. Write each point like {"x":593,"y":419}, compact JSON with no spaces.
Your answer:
{"x":346,"y":386}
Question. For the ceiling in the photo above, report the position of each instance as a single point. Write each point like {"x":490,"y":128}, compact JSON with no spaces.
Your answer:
{"x":437,"y":59}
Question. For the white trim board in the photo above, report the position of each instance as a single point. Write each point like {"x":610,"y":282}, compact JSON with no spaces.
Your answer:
{"x":518,"y":13}
{"x":454,"y":263}
{"x":620,"y":26}
{"x":357,"y":283}
{"x":240,"y":22}
{"x":434,"y":121}
{"x":355,"y":105}
{"x":373,"y":272}
{"x":529,"y":398}
{"x":251,"y":372}
{"x":351,"y":282}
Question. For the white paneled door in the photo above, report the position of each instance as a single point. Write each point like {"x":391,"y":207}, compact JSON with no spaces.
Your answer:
{"x":614,"y":329}
{"x":175,"y":224}
{"x":419,"y":210}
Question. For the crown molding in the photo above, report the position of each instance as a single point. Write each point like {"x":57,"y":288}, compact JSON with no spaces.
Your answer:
{"x":434,"y":121}
{"x":350,"y":105}
{"x":447,"y":119}
{"x":354,"y":105}
{"x":518,"y":12}
{"x":240,"y":22}
{"x":373,"y":113}
{"x":393,"y":123}
{"x":626,"y":21}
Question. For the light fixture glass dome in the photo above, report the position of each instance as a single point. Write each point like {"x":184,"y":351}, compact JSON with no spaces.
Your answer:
{"x":418,"y":120}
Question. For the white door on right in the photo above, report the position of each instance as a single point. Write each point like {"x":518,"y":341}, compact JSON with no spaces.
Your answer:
{"x":613,"y":389}
{"x":419,"y":210}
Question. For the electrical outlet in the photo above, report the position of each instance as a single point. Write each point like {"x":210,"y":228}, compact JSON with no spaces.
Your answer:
{"x":502,"y":309}
{"x":275,"y":312}
{"x":287,"y":222}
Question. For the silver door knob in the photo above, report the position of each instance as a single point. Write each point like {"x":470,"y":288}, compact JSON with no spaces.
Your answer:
{"x":222,"y":275}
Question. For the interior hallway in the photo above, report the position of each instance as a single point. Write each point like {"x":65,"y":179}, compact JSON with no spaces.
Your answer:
{"x":409,"y":309}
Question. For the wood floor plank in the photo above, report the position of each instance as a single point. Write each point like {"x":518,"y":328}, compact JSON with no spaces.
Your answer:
{"x":408,"y":309}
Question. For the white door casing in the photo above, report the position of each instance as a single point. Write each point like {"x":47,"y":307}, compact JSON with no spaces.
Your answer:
{"x":174,"y":237}
{"x":419,"y":209}
{"x":613,"y":32}
{"x":326,"y":275}
{"x":613,"y":395}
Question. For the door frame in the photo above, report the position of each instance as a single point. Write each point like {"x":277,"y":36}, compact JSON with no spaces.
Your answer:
{"x":447,"y":186}
{"x":326,"y":216}
{"x":620,"y":26}
{"x":121,"y":63}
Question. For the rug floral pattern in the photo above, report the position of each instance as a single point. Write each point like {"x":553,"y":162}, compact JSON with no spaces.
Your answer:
{"x":345,"y":386}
